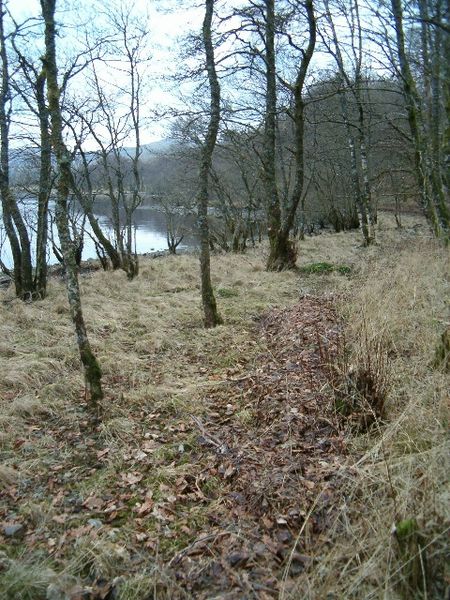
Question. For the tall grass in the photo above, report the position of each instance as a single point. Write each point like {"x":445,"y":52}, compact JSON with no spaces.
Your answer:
{"x":394,"y":311}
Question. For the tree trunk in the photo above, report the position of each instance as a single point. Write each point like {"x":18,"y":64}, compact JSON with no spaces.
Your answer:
{"x":91,"y":367}
{"x":359,"y":168}
{"x":277,"y":257}
{"x":211,"y":315}
{"x":283,"y":251}
{"x":40,"y":276}
{"x":87,"y":201}
{"x":14,"y":224}
{"x":432,"y":200}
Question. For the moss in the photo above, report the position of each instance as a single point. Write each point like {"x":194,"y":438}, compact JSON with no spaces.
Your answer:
{"x":226,"y":293}
{"x":211,"y":486}
{"x":404,"y":529}
{"x":323,"y":268}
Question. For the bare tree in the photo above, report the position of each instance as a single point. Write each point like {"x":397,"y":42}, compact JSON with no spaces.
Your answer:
{"x":211,"y":315}
{"x":352,"y":84}
{"x":32,"y":90}
{"x":424,"y":74}
{"x":91,"y":367}
{"x":14,"y":223}
{"x":282,"y":252}
{"x":112,"y":118}
{"x":269,"y":25}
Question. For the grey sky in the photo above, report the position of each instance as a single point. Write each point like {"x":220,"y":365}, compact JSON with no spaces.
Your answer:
{"x":166,"y":20}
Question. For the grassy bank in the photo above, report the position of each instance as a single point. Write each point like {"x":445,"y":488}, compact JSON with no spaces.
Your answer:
{"x":133,"y":499}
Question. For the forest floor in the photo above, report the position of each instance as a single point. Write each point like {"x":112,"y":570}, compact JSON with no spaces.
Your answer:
{"x":267,"y":458}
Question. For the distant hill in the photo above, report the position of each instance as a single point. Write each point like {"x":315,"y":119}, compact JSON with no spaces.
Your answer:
{"x":153,"y":148}
{"x":25,"y":159}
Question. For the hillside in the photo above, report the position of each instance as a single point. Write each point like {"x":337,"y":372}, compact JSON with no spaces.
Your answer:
{"x":267,"y":458}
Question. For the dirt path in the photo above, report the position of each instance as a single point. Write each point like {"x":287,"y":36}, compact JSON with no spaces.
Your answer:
{"x":273,"y":441}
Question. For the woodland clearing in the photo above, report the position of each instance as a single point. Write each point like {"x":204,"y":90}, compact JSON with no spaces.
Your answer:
{"x":266,"y":458}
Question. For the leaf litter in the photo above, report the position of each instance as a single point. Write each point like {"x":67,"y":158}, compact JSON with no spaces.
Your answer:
{"x":232,"y":503}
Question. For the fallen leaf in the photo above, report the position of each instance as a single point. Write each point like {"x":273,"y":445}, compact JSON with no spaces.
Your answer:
{"x":140,"y":455}
{"x":93,"y":503}
{"x":146,"y":507}
{"x":61,"y":519}
{"x":131,"y":478}
{"x":102,"y":453}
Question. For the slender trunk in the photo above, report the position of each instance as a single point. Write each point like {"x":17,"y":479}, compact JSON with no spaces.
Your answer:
{"x":362,"y":212}
{"x":91,"y":367}
{"x":211,"y":315}
{"x":272,"y":198}
{"x":358,"y":168}
{"x":437,"y":82}
{"x":40,"y":277}
{"x":86,"y":201}
{"x":366,"y":196}
{"x":111,"y":252}
{"x":354,"y":174}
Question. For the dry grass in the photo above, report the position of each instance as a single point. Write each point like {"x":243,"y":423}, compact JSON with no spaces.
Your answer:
{"x":399,"y":300}
{"x":158,"y":360}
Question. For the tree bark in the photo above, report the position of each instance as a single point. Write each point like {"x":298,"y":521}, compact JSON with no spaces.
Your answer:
{"x":277,"y":255}
{"x":91,"y":367}
{"x":283,"y":253}
{"x":45,"y":169}
{"x":211,"y":315}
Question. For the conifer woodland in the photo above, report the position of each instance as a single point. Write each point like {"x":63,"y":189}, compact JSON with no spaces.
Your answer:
{"x":261,"y":410}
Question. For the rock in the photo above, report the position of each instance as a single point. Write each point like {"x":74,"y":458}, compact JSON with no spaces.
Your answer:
{"x":96,"y":523}
{"x":13,"y":530}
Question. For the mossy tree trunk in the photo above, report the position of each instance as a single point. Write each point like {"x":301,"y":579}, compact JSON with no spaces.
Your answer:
{"x":91,"y":367}
{"x":283,"y":252}
{"x":211,"y":315}
{"x":45,"y":186}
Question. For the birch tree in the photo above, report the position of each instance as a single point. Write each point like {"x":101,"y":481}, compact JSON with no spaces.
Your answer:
{"x":426,"y":97}
{"x":92,"y":370}
{"x":211,"y":314}
{"x":352,"y":84}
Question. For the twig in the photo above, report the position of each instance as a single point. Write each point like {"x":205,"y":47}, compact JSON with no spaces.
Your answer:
{"x":213,"y":440}
{"x":176,"y":559}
